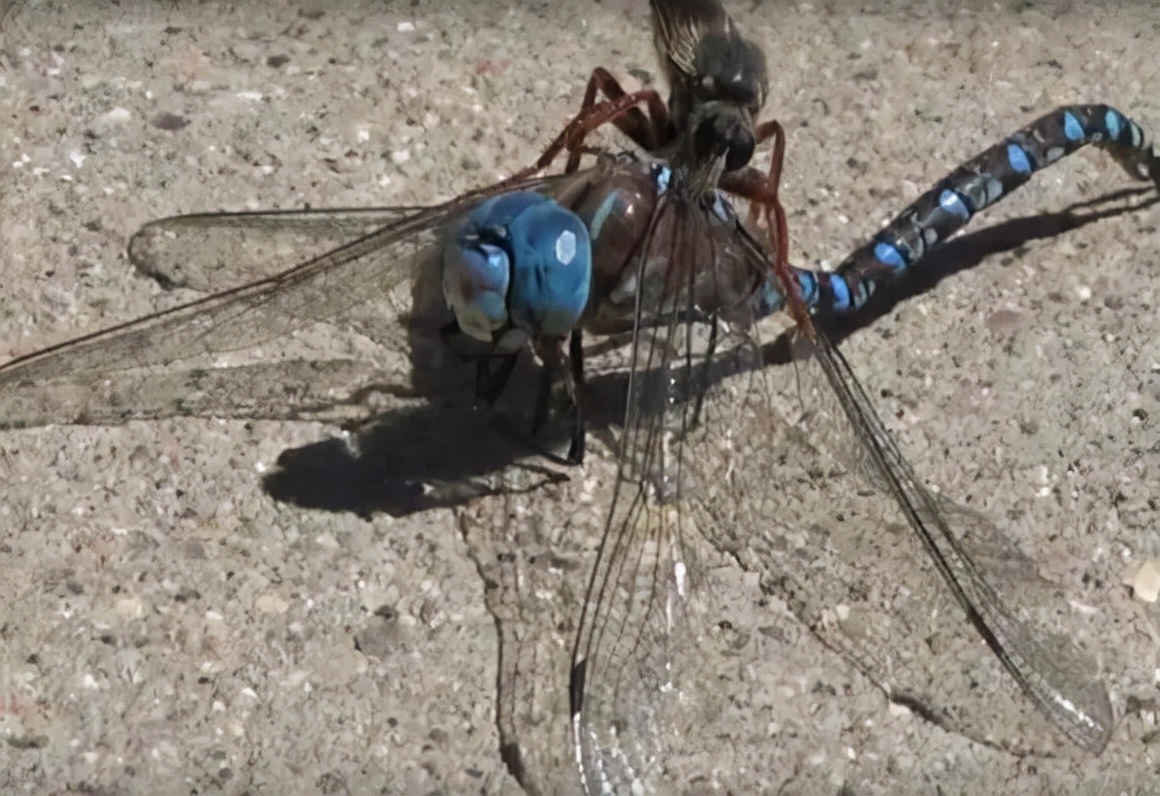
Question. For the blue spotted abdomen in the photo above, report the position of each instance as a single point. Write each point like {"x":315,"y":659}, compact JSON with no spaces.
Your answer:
{"x":974,"y":186}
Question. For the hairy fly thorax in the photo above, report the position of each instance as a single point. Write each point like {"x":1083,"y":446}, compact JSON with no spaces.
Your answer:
{"x":717,"y":79}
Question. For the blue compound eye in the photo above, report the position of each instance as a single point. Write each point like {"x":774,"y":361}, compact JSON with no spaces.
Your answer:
{"x":477,"y":264}
{"x":500,"y":212}
{"x":475,"y":285}
{"x":518,"y":258}
{"x":551,"y":269}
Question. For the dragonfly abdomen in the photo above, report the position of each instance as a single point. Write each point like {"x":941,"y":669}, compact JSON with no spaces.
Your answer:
{"x":975,"y":185}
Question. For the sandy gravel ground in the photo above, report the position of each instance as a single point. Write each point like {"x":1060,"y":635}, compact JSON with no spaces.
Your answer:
{"x":171,"y":626}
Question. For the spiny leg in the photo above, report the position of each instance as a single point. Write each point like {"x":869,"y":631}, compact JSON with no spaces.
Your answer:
{"x":623,"y":111}
{"x":492,"y":370}
{"x":571,"y":139}
{"x":579,"y":429}
{"x":571,"y":365}
{"x":762,"y":190}
{"x":975,"y":185}
{"x":489,"y":383}
{"x":648,"y":131}
{"x":583,"y":124}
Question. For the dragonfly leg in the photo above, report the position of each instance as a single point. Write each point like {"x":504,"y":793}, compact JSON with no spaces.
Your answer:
{"x":646,"y":130}
{"x":494,"y":370}
{"x":489,"y":384}
{"x":975,"y":185}
{"x":550,"y":352}
{"x":493,"y":366}
{"x":576,"y":360}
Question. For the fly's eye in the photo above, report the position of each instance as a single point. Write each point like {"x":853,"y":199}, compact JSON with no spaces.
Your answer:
{"x":706,"y":143}
{"x":740,"y":150}
{"x":724,"y":134}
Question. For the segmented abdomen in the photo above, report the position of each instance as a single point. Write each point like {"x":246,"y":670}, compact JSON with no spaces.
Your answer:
{"x":972,"y":187}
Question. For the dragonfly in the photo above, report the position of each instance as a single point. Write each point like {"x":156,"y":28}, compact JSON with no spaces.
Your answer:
{"x":670,"y":256}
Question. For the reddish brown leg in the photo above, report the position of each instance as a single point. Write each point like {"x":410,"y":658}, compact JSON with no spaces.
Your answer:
{"x":619,"y":109}
{"x":588,"y":120}
{"x":646,"y":131}
{"x":571,"y":138}
{"x":761,"y":191}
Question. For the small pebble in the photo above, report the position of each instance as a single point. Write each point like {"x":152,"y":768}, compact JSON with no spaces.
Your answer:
{"x":1146,"y":583}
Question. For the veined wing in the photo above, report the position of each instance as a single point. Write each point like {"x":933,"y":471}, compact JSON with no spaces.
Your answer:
{"x":211,"y":252}
{"x":680,"y":25}
{"x":702,"y":52}
{"x":232,"y":353}
{"x":827,"y":513}
{"x":1049,"y":669}
{"x":647,"y":604}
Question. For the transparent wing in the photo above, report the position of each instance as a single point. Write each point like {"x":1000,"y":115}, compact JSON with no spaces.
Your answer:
{"x":648,"y":610}
{"x":679,"y":26}
{"x":210,"y":252}
{"x":250,"y":350}
{"x":826,"y":512}
{"x":1055,"y":676}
